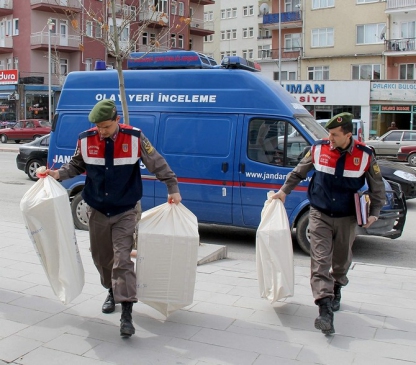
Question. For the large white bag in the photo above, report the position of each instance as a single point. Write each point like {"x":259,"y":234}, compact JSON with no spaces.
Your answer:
{"x":167,"y":256}
{"x":274,"y":252}
{"x":47,"y":214}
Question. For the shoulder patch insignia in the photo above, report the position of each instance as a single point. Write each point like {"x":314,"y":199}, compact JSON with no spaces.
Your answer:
{"x":148,"y":146}
{"x":376,"y":168}
{"x":308,"y":154}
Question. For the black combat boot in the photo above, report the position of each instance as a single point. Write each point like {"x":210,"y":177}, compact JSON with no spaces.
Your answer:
{"x":336,"y":302}
{"x":325,"y":321}
{"x":109,"y":305}
{"x":126,"y":323}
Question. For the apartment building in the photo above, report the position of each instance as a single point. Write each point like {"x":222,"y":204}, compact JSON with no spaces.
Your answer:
{"x":332,"y":55}
{"x":39,"y":38}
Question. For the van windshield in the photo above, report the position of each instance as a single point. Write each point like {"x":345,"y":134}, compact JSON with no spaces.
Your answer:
{"x":315,"y":130}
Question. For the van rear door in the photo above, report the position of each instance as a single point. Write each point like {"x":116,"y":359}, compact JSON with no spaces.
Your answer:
{"x":200,"y":150}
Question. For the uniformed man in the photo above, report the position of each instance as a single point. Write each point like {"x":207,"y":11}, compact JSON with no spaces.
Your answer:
{"x":110,"y":154}
{"x":342,"y":165}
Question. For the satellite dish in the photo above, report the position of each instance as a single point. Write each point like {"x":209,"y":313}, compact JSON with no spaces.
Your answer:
{"x":264,"y":8}
{"x":383,"y":33}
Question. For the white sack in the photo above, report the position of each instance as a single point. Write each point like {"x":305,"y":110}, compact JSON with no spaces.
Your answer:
{"x":47,"y":214}
{"x":167,"y":256}
{"x":274,"y":252}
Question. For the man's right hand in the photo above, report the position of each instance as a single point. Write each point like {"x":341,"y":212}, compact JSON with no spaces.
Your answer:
{"x":280,"y":195}
{"x":53,"y":173}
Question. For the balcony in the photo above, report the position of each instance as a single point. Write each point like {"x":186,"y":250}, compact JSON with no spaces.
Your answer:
{"x":125,"y":11}
{"x":155,"y":19}
{"x":290,"y":19}
{"x":287,"y":54}
{"x":6,"y":45}
{"x":63,"y":43}
{"x":397,"y":6}
{"x":201,"y":27}
{"x":6,"y":7}
{"x":202,"y":2}
{"x":400,"y":47}
{"x":56,"y":6}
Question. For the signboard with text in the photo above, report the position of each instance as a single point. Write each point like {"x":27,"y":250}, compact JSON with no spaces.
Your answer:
{"x":8,"y":77}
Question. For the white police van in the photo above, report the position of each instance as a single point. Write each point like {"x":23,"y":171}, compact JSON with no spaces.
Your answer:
{"x":230,"y":135}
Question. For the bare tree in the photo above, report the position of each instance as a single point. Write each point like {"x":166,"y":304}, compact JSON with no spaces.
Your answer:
{"x":122,"y":34}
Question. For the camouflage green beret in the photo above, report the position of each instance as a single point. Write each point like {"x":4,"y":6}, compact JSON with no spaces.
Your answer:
{"x":339,"y":120}
{"x":102,"y":111}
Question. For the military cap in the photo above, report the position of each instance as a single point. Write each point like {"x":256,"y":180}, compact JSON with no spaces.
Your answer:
{"x":339,"y":120}
{"x":102,"y":111}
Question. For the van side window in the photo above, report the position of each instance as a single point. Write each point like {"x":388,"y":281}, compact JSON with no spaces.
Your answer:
{"x":275,"y":142}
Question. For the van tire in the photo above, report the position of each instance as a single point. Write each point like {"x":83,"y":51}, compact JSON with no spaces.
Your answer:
{"x":412,"y":159}
{"x":302,"y":233}
{"x":79,"y":212}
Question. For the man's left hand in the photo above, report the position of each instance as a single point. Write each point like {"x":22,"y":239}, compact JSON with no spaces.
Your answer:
{"x":174,"y":198}
{"x":371,"y":219}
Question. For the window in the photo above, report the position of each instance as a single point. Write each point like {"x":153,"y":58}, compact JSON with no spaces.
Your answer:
{"x":1,"y":65}
{"x":54,"y":23}
{"x":209,"y":16}
{"x":15,"y":26}
{"x":88,"y":64}
{"x":173,"y":40}
{"x":264,"y":51}
{"x":228,"y":34}
{"x":248,"y":54}
{"x":318,"y":4}
{"x":408,"y":29}
{"x":173,"y":8}
{"x":228,"y":11}
{"x":394,"y":136}
{"x":367,"y":1}
{"x":407,"y":72}
{"x":209,"y":38}
{"x":161,"y":5}
{"x":323,"y":37}
{"x":275,"y":142}
{"x":248,"y":32}
{"x":292,"y":42}
{"x":145,"y":38}
{"x":234,"y":33}
{"x":16,"y":63}
{"x":366,"y":72}
{"x":222,"y":55}
{"x":223,"y":35}
{"x":369,"y":33}
{"x":9,"y":63}
{"x":88,"y":28}
{"x":223,"y":14}
{"x":60,"y":67}
{"x":9,"y":31}
{"x":318,"y":73}
{"x":248,"y":10}
{"x":98,"y":32}
{"x":286,"y":75}
{"x":181,"y":8}
{"x":234,"y":12}
{"x":292,"y":5}
{"x":180,"y":41}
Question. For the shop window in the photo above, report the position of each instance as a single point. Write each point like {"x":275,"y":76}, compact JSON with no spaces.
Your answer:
{"x":37,"y":106}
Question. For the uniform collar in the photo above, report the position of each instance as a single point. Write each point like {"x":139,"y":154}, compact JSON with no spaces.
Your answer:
{"x":115,"y":134}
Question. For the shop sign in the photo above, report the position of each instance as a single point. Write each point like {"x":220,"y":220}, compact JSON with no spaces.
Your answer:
{"x":8,"y":77}
{"x":395,"y":108}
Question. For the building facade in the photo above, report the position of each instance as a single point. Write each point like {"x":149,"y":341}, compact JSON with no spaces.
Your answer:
{"x":332,"y":55}
{"x":42,"y":38}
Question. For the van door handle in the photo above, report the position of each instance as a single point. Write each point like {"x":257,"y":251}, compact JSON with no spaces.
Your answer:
{"x":243,"y":168}
{"x":224,"y":167}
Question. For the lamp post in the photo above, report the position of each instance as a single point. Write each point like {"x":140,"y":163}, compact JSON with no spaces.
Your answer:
{"x":280,"y":44}
{"x":50,"y":27}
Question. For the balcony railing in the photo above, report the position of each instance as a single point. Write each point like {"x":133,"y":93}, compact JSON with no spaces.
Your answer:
{"x":6,"y":42}
{"x":124,"y":11}
{"x":286,"y":53}
{"x":57,"y":40}
{"x":290,"y":16}
{"x":397,"y":4}
{"x":67,"y":3}
{"x":201,"y":24}
{"x":400,"y":45}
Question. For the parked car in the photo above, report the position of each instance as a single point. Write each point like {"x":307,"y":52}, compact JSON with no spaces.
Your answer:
{"x":407,"y":153}
{"x":357,"y":128}
{"x":389,"y":143}
{"x":33,"y":155}
{"x":28,"y":129}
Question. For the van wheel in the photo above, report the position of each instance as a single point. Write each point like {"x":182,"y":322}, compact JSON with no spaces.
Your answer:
{"x":412,"y":159}
{"x":3,"y":138}
{"x":79,"y":212}
{"x":302,"y":233}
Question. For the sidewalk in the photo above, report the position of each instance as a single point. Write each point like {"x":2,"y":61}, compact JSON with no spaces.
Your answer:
{"x":228,"y":323}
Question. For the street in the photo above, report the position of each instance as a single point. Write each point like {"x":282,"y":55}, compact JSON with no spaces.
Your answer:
{"x":240,"y":242}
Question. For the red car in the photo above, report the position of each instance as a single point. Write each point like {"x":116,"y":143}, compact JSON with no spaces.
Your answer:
{"x":28,"y":129}
{"x":407,"y":153}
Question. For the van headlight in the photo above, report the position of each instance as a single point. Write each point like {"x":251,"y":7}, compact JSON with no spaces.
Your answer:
{"x":405,"y":175}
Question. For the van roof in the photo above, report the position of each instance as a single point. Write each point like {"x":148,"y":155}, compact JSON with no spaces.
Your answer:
{"x":209,"y":90}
